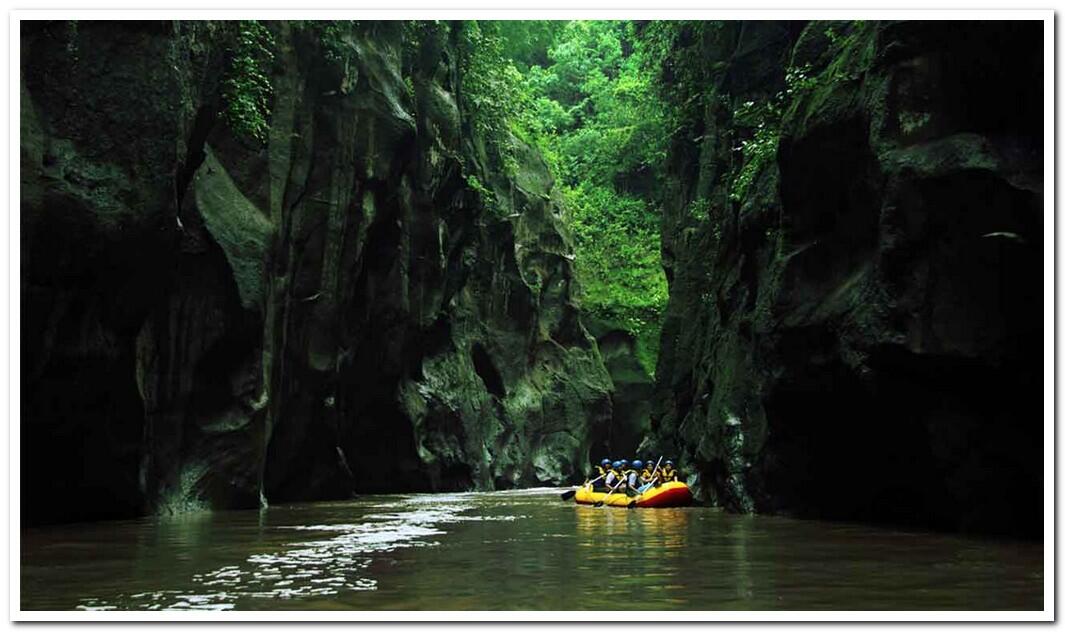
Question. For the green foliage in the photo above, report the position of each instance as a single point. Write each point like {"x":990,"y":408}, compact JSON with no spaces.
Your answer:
{"x":595,"y":107}
{"x":850,"y":52}
{"x":618,"y":260}
{"x":688,"y":84}
{"x":246,"y":88}
{"x":832,"y":35}
{"x":676,"y":61}
{"x":758,"y":152}
{"x":798,"y":81}
{"x":699,"y":210}
{"x":594,"y":112}
{"x":418,"y":34}
{"x":333,"y":35}
{"x":760,"y":149}
{"x":487,"y":197}
{"x":526,"y":41}
{"x":649,"y":340}
{"x":913,"y":121}
{"x":492,"y":91}
{"x":759,"y":122}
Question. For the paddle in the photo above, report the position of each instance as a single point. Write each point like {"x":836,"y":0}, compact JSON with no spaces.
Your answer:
{"x":649,"y":485}
{"x":654,"y":472}
{"x":602,"y":502}
{"x":566,"y":495}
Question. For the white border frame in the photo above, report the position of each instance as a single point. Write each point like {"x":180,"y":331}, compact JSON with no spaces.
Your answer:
{"x":1049,"y":408}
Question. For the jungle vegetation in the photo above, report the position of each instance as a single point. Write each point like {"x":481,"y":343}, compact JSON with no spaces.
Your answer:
{"x":589,"y":102}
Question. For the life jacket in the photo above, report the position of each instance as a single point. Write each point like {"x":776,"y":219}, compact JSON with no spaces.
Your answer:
{"x":645,"y":475}
{"x":612,"y":476}
{"x":668,"y":474}
{"x":600,"y":472}
{"x":632,"y":479}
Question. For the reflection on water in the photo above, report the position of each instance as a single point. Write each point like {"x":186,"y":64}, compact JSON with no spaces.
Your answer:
{"x":514,"y":550}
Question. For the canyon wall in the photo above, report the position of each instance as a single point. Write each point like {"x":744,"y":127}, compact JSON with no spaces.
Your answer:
{"x":857,"y":335}
{"x":368,"y":299}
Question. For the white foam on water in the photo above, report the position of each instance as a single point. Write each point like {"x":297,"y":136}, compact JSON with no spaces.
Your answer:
{"x":530,"y":491}
{"x":321,"y":567}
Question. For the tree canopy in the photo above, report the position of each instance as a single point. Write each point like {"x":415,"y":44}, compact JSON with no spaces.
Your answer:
{"x":590,"y":103}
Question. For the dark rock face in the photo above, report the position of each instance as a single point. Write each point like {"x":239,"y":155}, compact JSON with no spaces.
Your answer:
{"x":209,"y":324}
{"x":633,"y":389}
{"x":860,"y":337}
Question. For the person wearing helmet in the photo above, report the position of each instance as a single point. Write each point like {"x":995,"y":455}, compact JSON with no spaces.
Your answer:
{"x":621,"y":469}
{"x":668,"y":473}
{"x":647,"y":475}
{"x":598,"y":476}
{"x":613,"y":476}
{"x":632,"y":477}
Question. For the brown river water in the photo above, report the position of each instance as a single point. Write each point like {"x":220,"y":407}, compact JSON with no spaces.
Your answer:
{"x":523,"y":550}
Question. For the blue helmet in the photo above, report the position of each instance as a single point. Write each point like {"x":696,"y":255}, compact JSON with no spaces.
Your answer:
{"x":637,"y":464}
{"x":624,"y":462}
{"x":617,"y":464}
{"x":669,"y":462}
{"x":605,"y":463}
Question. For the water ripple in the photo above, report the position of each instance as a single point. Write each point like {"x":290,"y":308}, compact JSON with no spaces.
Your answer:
{"x":315,"y":568}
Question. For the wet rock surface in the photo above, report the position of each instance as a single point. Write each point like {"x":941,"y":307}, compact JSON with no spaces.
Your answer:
{"x":209,"y":323}
{"x":859,"y":337}
{"x":633,"y":388}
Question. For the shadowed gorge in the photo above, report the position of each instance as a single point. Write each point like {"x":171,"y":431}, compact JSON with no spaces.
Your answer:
{"x":285,"y":261}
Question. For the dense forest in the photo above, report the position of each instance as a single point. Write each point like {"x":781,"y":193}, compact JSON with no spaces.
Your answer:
{"x":276,"y":261}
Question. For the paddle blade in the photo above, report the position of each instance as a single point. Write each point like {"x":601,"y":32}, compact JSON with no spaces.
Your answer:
{"x":569,"y":494}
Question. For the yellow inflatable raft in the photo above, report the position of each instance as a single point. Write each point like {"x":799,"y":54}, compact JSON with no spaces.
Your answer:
{"x":675,"y":494}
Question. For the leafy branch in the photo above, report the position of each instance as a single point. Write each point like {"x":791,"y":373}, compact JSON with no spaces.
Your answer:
{"x":246,"y":88}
